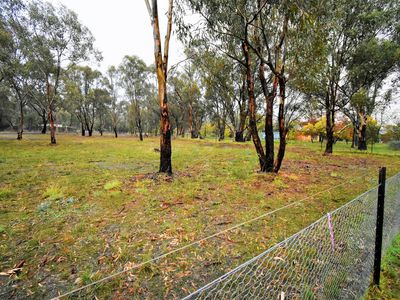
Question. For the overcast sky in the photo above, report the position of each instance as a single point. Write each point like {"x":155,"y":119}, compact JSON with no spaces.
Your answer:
{"x":122,"y":27}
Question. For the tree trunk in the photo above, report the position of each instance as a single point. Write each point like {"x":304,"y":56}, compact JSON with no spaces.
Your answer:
{"x":44,"y":120}
{"x":353,"y":138}
{"x":190,"y":119}
{"x":252,"y":107}
{"x":362,"y":140}
{"x":362,"y":133}
{"x":115,"y":132}
{"x":239,"y":134}
{"x":90,"y":131}
{"x":330,"y":125}
{"x":139,"y":122}
{"x":50,"y":113}
{"x":282,"y":129}
{"x":165,"y":137}
{"x":221,"y":131}
{"x":162,"y":72}
{"x":21,"y":121}
{"x":83,"y":131}
{"x":194,"y":134}
{"x":269,"y":128}
{"x":239,"y":137}
{"x":139,"y":125}
{"x":52,"y":127}
{"x":329,"y":139}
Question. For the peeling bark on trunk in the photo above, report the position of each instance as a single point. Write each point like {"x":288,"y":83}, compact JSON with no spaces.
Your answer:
{"x":252,"y":108}
{"x":269,"y":128}
{"x":282,"y":129}
{"x":162,"y":72}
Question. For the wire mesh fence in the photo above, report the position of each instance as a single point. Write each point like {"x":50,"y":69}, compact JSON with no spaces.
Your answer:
{"x":330,"y":259}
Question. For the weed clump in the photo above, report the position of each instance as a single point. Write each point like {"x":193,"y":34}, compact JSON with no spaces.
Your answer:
{"x":112,"y":185}
{"x":53,"y":193}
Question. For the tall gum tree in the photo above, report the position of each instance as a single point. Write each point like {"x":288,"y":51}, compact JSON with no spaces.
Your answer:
{"x":254,"y":34}
{"x":57,"y":40}
{"x":161,"y":63}
{"x":344,"y":26}
{"x":362,"y":91}
{"x":134,"y":76}
{"x":111,"y":78}
{"x":15,"y":67}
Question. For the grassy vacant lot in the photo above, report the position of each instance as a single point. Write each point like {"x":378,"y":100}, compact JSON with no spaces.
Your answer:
{"x":76,"y":212}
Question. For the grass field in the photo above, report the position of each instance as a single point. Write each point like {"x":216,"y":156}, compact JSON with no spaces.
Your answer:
{"x":390,"y":276}
{"x":88,"y":207}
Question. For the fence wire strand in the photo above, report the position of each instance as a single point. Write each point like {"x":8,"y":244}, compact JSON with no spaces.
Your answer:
{"x":330,"y":259}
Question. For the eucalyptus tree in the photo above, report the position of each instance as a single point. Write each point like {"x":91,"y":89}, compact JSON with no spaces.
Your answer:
{"x":81,"y":85}
{"x":37,"y":102}
{"x":57,"y":39}
{"x":186,"y":104}
{"x":255,"y":35}
{"x":161,"y":64}
{"x":134,"y":77}
{"x":14,"y":61}
{"x":102,"y":103}
{"x":224,"y":87}
{"x":111,"y":80}
{"x":368,"y":68}
{"x":7,"y":107}
{"x":345,"y":26}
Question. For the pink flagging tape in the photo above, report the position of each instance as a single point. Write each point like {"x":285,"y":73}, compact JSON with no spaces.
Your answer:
{"x":331,"y":232}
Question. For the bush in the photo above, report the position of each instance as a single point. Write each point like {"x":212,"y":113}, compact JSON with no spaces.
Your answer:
{"x":394,"y":145}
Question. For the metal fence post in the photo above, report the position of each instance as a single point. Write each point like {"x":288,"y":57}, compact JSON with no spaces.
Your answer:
{"x":379,"y":225}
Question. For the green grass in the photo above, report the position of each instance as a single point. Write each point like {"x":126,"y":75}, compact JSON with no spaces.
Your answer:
{"x":390,"y":276}
{"x":89,"y":207}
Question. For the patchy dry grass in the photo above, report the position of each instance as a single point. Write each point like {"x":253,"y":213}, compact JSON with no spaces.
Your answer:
{"x":88,"y":207}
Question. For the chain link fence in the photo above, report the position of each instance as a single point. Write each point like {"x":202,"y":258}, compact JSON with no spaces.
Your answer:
{"x":330,"y":259}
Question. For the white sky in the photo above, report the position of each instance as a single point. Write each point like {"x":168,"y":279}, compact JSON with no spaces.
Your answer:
{"x":122,"y":27}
